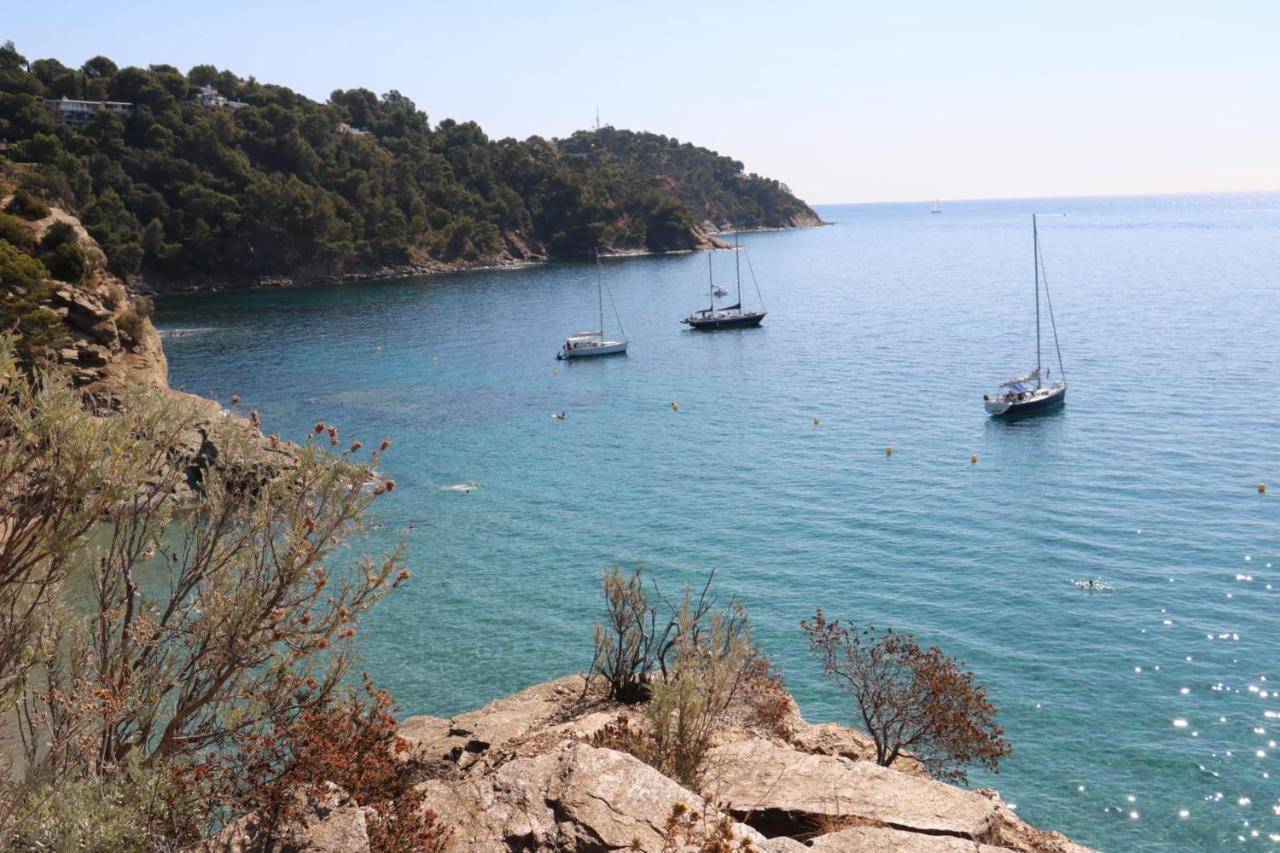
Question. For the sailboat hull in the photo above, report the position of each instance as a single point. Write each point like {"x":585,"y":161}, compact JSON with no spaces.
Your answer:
{"x":1056,"y":396}
{"x":724,"y":320}
{"x":592,"y":350}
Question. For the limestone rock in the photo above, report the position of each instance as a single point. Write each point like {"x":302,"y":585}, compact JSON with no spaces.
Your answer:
{"x":1016,"y":834}
{"x":779,"y":788}
{"x":882,"y":839}
{"x":835,"y":739}
{"x":579,"y":799}
{"x":343,"y":831}
{"x":541,"y":709}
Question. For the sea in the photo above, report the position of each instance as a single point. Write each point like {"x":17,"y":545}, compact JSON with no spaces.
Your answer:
{"x":1142,"y":717}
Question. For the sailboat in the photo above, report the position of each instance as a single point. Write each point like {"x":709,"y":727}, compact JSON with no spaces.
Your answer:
{"x":729,"y":316}
{"x":588,"y":344}
{"x":1017,"y":395}
{"x":936,"y":207}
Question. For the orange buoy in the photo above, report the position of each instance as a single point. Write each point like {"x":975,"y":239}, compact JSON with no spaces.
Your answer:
{"x":1262,"y":488}
{"x":973,"y":459}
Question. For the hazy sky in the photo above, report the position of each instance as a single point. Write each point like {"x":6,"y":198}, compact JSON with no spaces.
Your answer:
{"x":853,"y":101}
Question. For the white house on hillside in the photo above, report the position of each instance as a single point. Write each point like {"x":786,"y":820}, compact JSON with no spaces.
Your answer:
{"x":209,"y":97}
{"x":83,"y":112}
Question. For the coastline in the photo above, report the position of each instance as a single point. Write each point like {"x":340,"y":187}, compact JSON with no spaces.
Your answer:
{"x":709,"y":240}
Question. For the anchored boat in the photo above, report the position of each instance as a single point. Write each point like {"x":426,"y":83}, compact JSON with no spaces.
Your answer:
{"x":1030,"y":393}
{"x":728,"y":316}
{"x":589,"y":344}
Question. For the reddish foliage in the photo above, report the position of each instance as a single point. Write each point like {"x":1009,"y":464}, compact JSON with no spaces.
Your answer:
{"x":911,"y":698}
{"x":767,"y":697}
{"x":690,"y":831}
{"x":353,"y":745}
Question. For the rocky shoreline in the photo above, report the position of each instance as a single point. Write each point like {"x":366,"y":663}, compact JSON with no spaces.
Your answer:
{"x":709,"y":235}
{"x":523,"y":773}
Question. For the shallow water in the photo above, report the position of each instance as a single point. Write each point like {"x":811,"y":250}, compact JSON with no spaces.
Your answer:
{"x":888,"y":326}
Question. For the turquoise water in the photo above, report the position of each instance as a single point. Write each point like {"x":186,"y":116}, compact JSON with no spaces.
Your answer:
{"x":888,"y":326}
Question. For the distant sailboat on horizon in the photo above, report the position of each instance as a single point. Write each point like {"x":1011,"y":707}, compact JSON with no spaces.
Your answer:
{"x":936,"y":207}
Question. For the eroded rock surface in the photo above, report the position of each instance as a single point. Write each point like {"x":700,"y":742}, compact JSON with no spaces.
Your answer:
{"x":781,"y":790}
{"x":521,"y":774}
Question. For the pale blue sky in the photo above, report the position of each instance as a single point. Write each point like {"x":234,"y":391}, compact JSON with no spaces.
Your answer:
{"x":843,"y":101}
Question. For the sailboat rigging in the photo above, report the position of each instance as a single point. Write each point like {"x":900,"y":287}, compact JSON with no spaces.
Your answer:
{"x":593,"y":343}
{"x":730,"y":316}
{"x":1016,"y":396}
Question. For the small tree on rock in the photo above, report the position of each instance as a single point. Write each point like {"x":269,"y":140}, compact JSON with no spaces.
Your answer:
{"x":911,"y":699}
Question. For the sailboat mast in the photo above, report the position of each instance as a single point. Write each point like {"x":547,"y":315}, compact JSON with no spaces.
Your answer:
{"x":599,"y":292}
{"x":1035,"y":240}
{"x":711,"y":285}
{"x":737,"y":267}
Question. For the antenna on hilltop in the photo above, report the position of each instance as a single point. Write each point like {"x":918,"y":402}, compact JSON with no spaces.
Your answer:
{"x":597,"y":118}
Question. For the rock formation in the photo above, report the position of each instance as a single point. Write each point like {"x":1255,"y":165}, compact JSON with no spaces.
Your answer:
{"x":115,"y":350}
{"x":521,"y":774}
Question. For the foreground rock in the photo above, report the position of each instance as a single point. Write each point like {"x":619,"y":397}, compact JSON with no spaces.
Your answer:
{"x":783,"y":791}
{"x":521,"y":774}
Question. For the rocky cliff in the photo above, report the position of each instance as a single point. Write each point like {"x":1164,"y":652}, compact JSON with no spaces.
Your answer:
{"x":113,"y":343}
{"x":112,"y":349}
{"x":522,"y":773}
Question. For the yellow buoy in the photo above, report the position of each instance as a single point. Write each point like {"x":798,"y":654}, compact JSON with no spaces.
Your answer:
{"x":974,"y":459}
{"x":817,"y":421}
{"x":888,"y":451}
{"x":675,"y":407}
{"x":1262,"y":488}
{"x":555,"y":373}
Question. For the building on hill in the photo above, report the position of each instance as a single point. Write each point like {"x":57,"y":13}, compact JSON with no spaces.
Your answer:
{"x":83,"y":112}
{"x":342,"y":128}
{"x":210,"y":97}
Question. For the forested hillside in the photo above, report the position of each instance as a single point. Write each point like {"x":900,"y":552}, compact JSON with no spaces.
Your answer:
{"x":276,"y":184}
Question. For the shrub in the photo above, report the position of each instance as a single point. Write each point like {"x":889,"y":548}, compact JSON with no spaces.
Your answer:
{"x":768,"y":700}
{"x":625,"y":643}
{"x":689,"y":831}
{"x":911,"y":698}
{"x":710,"y":664}
{"x":135,"y":809}
{"x":37,"y":331}
{"x":27,"y":206}
{"x":353,"y":744}
{"x":250,"y":621}
{"x":131,"y":325}
{"x":115,"y":295}
{"x":634,"y":644}
{"x":12,"y":229}
{"x":59,"y":233}
{"x":67,"y":263}
{"x":704,"y":655}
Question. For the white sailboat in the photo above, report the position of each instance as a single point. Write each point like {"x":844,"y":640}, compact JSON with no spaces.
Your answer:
{"x":588,"y":344}
{"x":1017,"y":396}
{"x":936,"y":207}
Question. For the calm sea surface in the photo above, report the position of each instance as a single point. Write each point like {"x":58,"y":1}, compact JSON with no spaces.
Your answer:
{"x":1142,"y":719}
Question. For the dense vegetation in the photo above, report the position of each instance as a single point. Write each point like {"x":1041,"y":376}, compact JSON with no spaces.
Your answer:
{"x":277,"y":187}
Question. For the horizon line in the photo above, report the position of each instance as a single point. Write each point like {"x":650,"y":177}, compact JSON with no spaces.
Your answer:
{"x":940,"y":199}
